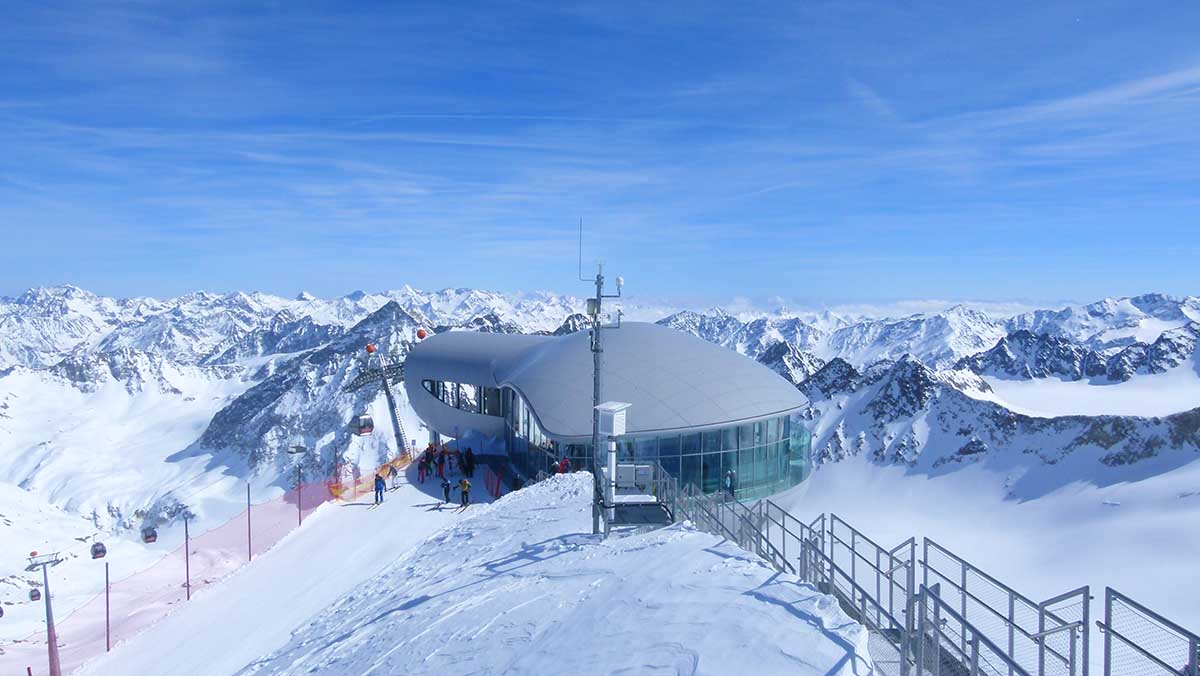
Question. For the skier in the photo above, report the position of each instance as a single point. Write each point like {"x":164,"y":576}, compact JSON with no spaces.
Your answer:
{"x":446,"y":489}
{"x":470,"y":462}
{"x":380,"y":487}
{"x":465,"y":487}
{"x":564,"y":466}
{"x":441,"y":464}
{"x":421,"y":469}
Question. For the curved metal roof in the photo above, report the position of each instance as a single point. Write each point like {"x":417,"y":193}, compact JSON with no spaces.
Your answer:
{"x":674,"y":380}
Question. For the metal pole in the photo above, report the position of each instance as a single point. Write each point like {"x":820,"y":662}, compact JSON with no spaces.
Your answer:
{"x":1012,"y":613}
{"x":1085,"y":633}
{"x":1108,"y":631}
{"x":107,"y":625}
{"x":597,"y":352}
{"x":963,"y":605}
{"x":299,"y":493}
{"x":187,"y":559}
{"x":249,"y":546}
{"x":51,"y":635}
{"x":1041,"y":669}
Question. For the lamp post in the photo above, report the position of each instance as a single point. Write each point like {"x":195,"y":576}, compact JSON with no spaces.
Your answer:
{"x":46,"y":561}
{"x":298,"y":450}
{"x":598,"y":326}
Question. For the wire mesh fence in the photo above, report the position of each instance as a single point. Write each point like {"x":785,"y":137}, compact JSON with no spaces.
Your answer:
{"x":1140,"y":642}
{"x":1048,"y":638}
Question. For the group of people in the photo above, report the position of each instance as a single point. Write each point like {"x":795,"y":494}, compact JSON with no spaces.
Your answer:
{"x":441,"y":459}
{"x":444,"y":461}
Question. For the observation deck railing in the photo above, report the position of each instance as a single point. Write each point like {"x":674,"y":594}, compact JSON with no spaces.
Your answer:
{"x":958,"y":620}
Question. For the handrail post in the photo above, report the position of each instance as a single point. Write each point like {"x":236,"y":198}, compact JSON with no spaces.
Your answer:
{"x":1073,"y":662}
{"x":1085,"y":634}
{"x":937,"y":630}
{"x":963,"y":606}
{"x":1012,"y":612}
{"x":1041,"y":641}
{"x":1108,"y":597}
{"x":1194,"y":657}
{"x":919,"y":604}
{"x":974,"y":655}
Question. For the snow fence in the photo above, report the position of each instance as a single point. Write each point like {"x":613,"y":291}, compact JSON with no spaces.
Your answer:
{"x":139,"y":600}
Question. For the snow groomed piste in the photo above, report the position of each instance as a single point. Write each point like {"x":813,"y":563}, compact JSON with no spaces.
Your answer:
{"x":518,"y":586}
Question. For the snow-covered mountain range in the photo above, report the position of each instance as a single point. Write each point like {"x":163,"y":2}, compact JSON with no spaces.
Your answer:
{"x":203,"y":386}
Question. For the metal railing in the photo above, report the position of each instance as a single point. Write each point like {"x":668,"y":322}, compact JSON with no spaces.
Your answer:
{"x":1139,"y":641}
{"x":959,"y":621}
{"x":945,"y":643}
{"x":1047,"y":638}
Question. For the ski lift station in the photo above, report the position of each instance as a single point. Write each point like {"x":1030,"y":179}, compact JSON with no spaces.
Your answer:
{"x":707,"y":415}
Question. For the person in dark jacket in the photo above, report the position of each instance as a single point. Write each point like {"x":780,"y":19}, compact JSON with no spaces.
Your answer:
{"x":441,"y":464}
{"x":380,"y":487}
{"x":446,"y":488}
{"x":730,"y":483}
{"x":470,"y":462}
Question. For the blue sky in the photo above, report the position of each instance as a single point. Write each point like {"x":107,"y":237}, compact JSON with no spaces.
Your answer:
{"x":818,"y":152}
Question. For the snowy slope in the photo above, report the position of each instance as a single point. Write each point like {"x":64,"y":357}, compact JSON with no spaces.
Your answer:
{"x":517,"y":587}
{"x":229,"y":625}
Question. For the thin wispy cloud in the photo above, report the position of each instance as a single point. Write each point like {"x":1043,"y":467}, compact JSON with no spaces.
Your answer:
{"x":807,"y":151}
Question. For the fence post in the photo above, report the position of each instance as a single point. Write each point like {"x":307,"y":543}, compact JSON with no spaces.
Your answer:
{"x":854,"y":555}
{"x":963,"y":606}
{"x":187,"y":559}
{"x":1194,"y":657}
{"x":1012,"y":612}
{"x":937,"y":630}
{"x":1041,"y":641}
{"x":1108,"y":631}
{"x":974,"y":654}
{"x":107,"y":625}
{"x":919,"y":605}
{"x":1072,"y":653}
{"x":1085,"y":633}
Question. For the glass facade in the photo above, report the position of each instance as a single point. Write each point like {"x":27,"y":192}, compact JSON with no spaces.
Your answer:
{"x":465,"y":397}
{"x":759,"y":458}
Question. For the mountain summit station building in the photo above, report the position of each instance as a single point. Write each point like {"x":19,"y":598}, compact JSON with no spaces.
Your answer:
{"x":698,"y":409}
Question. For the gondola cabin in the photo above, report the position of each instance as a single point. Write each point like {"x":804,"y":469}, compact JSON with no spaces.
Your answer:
{"x":363,"y":425}
{"x":35,"y":595}
{"x":149,"y":535}
{"x":99,"y":551}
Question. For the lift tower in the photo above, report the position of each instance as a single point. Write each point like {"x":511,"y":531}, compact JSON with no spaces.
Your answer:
{"x":384,"y":375}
